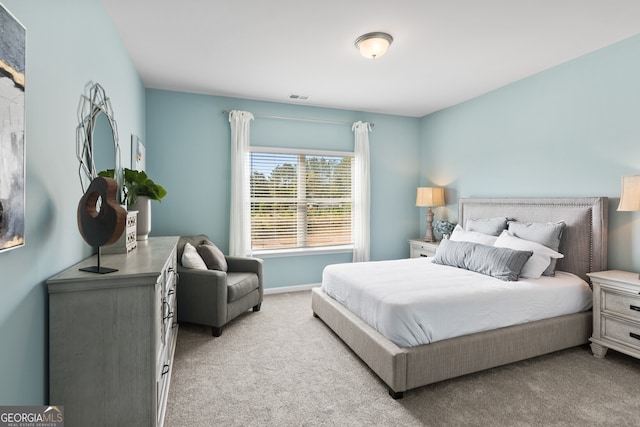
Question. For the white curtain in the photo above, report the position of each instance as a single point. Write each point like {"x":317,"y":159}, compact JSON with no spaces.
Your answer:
{"x":240,"y":224}
{"x":361,"y":194}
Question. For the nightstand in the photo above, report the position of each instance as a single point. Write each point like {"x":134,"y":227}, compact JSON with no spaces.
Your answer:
{"x":418,"y":248}
{"x":616,"y":313}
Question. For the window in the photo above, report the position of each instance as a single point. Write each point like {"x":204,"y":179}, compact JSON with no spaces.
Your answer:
{"x":300,"y":199}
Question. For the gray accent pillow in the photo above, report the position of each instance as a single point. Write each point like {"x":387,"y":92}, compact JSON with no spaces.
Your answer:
{"x":501,"y":263}
{"x":212,"y":256}
{"x":491,"y":226}
{"x":548,"y":234}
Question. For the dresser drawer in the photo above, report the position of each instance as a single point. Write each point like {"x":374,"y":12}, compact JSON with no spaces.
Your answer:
{"x":620,"y":303}
{"x":621,"y":331}
{"x":168,"y":278}
{"x":159,"y":310}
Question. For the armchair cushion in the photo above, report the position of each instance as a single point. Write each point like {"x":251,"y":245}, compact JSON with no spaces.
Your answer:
{"x":212,"y":256}
{"x":240,"y":285}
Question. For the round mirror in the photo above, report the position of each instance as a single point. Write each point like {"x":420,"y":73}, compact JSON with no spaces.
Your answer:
{"x":102,"y":141}
{"x":97,"y":145}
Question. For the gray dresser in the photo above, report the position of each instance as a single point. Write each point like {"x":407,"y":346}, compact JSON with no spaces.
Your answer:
{"x":112,"y":337}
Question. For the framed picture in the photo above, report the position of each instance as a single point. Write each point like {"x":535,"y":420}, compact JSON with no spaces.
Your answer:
{"x":137,"y":154}
{"x":12,"y":131}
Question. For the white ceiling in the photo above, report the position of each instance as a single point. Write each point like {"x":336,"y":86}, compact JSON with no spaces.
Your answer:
{"x":444,"y":51}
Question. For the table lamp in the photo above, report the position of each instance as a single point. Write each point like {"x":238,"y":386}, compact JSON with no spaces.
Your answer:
{"x":430,"y":197}
{"x":630,"y":196}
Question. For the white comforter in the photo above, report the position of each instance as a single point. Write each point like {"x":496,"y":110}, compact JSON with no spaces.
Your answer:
{"x":413,"y":301}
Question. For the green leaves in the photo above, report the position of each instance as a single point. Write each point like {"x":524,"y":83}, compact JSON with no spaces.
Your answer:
{"x":106,"y":174}
{"x":137,"y":183}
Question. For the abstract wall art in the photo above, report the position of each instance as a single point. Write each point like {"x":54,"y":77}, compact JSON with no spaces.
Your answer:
{"x":12,"y":131}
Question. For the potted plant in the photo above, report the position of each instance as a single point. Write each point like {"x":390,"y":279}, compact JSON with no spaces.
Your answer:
{"x":137,"y":183}
{"x":444,"y":227}
{"x":139,"y":190}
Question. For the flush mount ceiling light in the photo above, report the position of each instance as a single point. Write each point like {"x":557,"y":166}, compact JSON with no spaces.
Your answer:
{"x":373,"y":45}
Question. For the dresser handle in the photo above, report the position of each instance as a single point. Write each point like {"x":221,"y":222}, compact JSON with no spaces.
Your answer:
{"x":423,"y":255}
{"x":634,"y":307}
{"x":636,"y":336}
{"x":165,"y":370}
{"x":166,"y":310}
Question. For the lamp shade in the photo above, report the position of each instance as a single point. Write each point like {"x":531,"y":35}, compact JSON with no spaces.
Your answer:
{"x":373,"y":45}
{"x":430,"y":196}
{"x":630,"y":196}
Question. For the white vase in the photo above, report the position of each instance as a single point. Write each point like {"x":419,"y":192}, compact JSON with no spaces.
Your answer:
{"x":143,"y":206}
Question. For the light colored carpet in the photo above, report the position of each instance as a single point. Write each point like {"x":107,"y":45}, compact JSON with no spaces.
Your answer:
{"x":283,"y":367}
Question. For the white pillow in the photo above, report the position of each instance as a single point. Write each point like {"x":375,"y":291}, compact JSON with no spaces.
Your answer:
{"x":461,"y":235}
{"x":538,"y":262}
{"x":191,"y":258}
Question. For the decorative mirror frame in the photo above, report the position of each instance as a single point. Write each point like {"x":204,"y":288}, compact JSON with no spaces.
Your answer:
{"x":93,"y":103}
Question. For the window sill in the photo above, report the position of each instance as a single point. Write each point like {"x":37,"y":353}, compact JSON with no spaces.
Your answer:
{"x":274,"y":253}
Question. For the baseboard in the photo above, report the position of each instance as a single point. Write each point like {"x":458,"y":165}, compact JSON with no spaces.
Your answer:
{"x":296,"y":288}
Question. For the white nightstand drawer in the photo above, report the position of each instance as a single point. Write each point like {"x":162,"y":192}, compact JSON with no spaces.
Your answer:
{"x":620,"y":331}
{"x":420,"y":248}
{"x":625,"y":304}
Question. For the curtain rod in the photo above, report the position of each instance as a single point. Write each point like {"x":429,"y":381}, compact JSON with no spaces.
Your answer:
{"x":268,"y":116}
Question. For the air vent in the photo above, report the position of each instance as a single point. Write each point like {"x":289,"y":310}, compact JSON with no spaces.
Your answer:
{"x":298,"y":97}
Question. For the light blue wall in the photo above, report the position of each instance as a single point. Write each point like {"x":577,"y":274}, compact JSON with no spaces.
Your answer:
{"x":69,"y":43}
{"x":188,"y":151}
{"x":570,"y":131}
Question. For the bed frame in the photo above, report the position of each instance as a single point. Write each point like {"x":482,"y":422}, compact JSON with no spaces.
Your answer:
{"x":584,"y":244}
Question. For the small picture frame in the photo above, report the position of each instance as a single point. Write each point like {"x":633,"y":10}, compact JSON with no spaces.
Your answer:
{"x":137,"y":154}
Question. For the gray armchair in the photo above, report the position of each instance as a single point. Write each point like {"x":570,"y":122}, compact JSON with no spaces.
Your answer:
{"x":213,"y":297}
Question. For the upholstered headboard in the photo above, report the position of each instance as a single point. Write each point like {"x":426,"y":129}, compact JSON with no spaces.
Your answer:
{"x":584,"y":240}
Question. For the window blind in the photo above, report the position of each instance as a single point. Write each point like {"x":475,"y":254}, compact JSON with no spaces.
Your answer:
{"x":300,"y":199}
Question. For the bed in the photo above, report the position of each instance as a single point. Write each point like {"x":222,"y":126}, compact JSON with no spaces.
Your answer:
{"x":584,"y":244}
